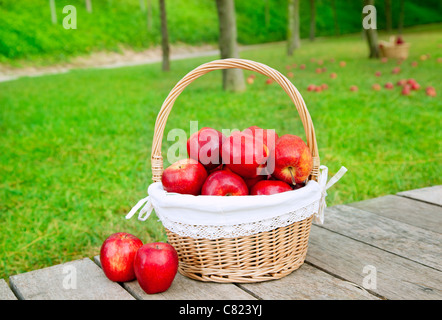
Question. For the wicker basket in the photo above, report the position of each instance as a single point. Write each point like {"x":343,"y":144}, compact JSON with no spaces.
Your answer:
{"x":263,"y":256}
{"x":394,"y":51}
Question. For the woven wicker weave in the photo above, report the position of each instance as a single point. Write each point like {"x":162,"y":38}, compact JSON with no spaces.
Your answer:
{"x":259,"y":257}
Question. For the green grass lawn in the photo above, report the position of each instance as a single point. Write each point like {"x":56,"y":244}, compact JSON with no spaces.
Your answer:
{"x":76,"y":146}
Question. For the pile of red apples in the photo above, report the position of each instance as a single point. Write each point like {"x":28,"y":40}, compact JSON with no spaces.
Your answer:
{"x":254,"y":161}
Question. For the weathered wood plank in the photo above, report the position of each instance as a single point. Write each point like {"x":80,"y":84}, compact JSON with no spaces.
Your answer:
{"x":395,"y":277}
{"x":308,"y":283}
{"x":416,"y":213}
{"x":75,"y":280}
{"x":430,"y":194}
{"x":405,"y":240}
{"x":183,"y":288}
{"x":5,"y":292}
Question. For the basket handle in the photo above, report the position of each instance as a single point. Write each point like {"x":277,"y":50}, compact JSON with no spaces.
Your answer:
{"x":289,"y":88}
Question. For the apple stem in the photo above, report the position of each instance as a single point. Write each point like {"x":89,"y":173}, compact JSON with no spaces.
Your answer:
{"x":291,"y":174}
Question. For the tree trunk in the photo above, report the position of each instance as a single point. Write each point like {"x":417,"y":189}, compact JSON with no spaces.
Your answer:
{"x":149,"y":15}
{"x":335,"y":18}
{"x":388,"y":23}
{"x":89,"y":6}
{"x":267,"y":13}
{"x":312,"y":20}
{"x":372,"y":36}
{"x":401,"y":16}
{"x":53,"y":11}
{"x":233,"y":79}
{"x":164,"y":37}
{"x":293,"y":39}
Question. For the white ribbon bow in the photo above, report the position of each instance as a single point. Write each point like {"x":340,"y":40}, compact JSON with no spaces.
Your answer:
{"x":146,"y":211}
{"x":319,"y":216}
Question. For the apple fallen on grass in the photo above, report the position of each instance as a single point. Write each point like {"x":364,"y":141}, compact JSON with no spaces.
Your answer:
{"x":269,"y":187}
{"x":205,"y":146}
{"x":155,"y":266}
{"x":117,"y":255}
{"x":224,"y":183}
{"x":333,"y":75}
{"x":430,"y":91}
{"x":353,"y":88}
{"x":406,"y":89}
{"x":376,"y":87}
{"x":186,"y":176}
{"x":292,"y":159}
{"x":389,"y":86}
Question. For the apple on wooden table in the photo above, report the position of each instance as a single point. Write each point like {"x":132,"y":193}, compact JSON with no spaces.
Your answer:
{"x":156,"y":265}
{"x":117,"y":255}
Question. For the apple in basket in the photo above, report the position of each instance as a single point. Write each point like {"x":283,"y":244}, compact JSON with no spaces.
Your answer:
{"x":243,"y":155}
{"x":155,"y":266}
{"x":224,"y":183}
{"x":267,"y":136}
{"x":293,"y":159}
{"x":185,"y":176}
{"x":117,"y":256}
{"x":268,"y":187}
{"x":205,"y":146}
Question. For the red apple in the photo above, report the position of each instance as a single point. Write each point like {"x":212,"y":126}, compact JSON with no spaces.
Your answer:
{"x":324,"y":69}
{"x":384,"y":59}
{"x":377,"y":73}
{"x":402,"y":82}
{"x":252,"y":181}
{"x":155,"y":266}
{"x":389,"y":86}
{"x":318,"y":70}
{"x":311,"y":87}
{"x":243,"y":154}
{"x":396,"y":70}
{"x":290,"y":75}
{"x":268,"y":187}
{"x":117,"y":256}
{"x":205,"y":146}
{"x":430,"y":91}
{"x":342,"y":64}
{"x":353,"y":88}
{"x":302,"y":66}
{"x":269,"y":81}
{"x":224,"y":183}
{"x":250,"y":80}
{"x":318,"y":88}
{"x":267,"y":136}
{"x":292,"y":158}
{"x":376,"y":87}
{"x":415,"y":86}
{"x":333,"y":75}
{"x":406,"y":90}
{"x":324,"y":86}
{"x":414,"y":64}
{"x":185,"y":176}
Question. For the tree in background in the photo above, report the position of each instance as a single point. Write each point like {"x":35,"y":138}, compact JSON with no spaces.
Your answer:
{"x":293,"y":37}
{"x":401,"y":16}
{"x":233,"y":79}
{"x":164,"y":37}
{"x":89,"y":6}
{"x":312,"y":20}
{"x":371,"y":33}
{"x":335,"y":17}
{"x":388,"y":22}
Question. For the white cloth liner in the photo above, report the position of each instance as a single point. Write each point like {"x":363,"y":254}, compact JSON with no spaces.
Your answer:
{"x":215,"y":217}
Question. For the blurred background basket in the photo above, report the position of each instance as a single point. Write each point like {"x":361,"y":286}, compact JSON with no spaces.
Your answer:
{"x":258,"y":257}
{"x":392,"y":50}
